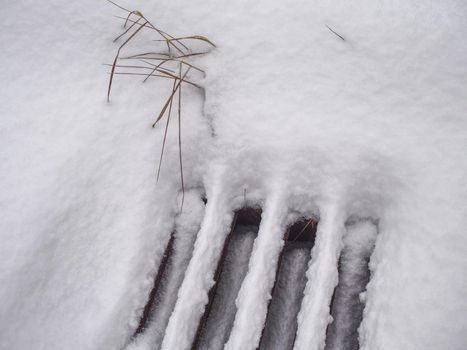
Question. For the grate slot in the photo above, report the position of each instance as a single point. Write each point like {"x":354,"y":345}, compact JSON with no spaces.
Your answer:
{"x":150,"y":305}
{"x":287,"y":293}
{"x":354,"y":275}
{"x":217,"y":321}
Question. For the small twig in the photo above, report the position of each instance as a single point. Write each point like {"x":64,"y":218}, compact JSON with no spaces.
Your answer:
{"x":142,"y":67}
{"x":140,"y":55}
{"x":167,"y":37}
{"x":178,"y":53}
{"x":192,"y":37}
{"x":340,"y":36}
{"x":156,"y":68}
{"x":131,"y":73}
{"x":311,"y":221}
{"x":158,"y":76}
{"x":164,"y":61}
{"x":120,"y":7}
{"x":180,"y":135}
{"x":161,"y":114}
{"x":192,"y":66}
{"x":127,"y":30}
{"x":138,"y":67}
{"x":165,"y":135}
{"x":128,"y":18}
{"x":116,"y":58}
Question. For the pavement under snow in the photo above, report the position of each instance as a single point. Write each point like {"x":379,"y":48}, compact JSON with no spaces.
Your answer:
{"x":335,"y":110}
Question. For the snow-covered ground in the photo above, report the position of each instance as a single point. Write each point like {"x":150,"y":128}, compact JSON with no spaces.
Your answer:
{"x":294,"y":118}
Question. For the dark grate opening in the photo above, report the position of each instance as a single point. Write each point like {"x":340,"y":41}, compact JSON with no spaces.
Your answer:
{"x":168,"y":279}
{"x":302,"y":231}
{"x":151,"y":304}
{"x":216,"y":323}
{"x":287,"y":293}
{"x":346,"y":306}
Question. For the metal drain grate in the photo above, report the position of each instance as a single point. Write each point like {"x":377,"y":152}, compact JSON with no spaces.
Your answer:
{"x":214,"y":327}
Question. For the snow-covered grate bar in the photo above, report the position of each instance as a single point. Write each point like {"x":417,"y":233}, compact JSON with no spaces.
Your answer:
{"x":173,"y":263}
{"x":287,"y":294}
{"x":216,"y":323}
{"x":354,"y":275}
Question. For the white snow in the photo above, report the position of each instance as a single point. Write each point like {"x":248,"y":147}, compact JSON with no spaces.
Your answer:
{"x":186,"y":228}
{"x":255,"y":291}
{"x":293,"y":118}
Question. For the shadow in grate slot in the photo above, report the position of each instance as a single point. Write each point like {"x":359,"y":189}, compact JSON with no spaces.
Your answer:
{"x":169,"y":277}
{"x":287,"y":293}
{"x":354,"y":275}
{"x":217,"y":320}
{"x":149,"y":309}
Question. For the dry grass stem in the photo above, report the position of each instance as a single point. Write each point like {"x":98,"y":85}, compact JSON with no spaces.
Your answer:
{"x":168,"y":62}
{"x":309,"y":222}
{"x":180,"y":133}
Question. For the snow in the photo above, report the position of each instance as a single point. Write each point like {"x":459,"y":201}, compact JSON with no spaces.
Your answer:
{"x":186,"y":228}
{"x":83,"y":224}
{"x":254,"y":294}
{"x":293,"y":118}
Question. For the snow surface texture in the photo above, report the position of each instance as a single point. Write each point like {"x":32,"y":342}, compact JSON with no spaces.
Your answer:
{"x":294,"y":117}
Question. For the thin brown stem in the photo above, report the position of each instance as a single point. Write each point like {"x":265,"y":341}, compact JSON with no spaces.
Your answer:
{"x":178,"y":52}
{"x":180,"y":136}
{"x":159,"y":76}
{"x":116,"y":58}
{"x":155,"y":69}
{"x":153,"y":75}
{"x":168,"y":38}
{"x":191,"y":37}
{"x":166,"y":70}
{"x":127,"y":30}
{"x":141,"y":55}
{"x":165,"y":60}
{"x":120,"y":7}
{"x":161,"y":114}
{"x":165,"y":135}
{"x":310,"y":222}
{"x":192,"y":66}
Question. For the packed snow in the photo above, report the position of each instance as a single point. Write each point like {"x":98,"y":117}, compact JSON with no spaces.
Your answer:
{"x":339,"y":111}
